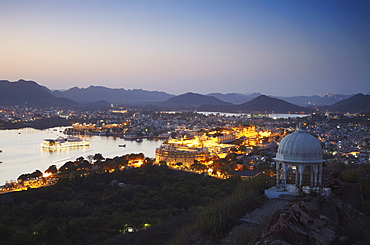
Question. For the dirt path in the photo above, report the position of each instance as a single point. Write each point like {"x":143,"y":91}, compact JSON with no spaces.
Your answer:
{"x":262,"y":214}
{"x":253,"y":223}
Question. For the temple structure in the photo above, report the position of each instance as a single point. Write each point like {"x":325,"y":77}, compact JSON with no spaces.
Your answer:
{"x":299,"y":160}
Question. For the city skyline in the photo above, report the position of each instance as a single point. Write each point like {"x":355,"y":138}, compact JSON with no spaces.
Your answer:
{"x":280,"y":48}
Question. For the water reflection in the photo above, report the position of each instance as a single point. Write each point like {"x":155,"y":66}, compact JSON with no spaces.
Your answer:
{"x":22,"y":151}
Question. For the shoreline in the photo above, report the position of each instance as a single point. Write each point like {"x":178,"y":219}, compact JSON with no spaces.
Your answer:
{"x":36,"y":125}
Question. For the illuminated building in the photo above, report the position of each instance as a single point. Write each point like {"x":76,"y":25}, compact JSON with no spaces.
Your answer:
{"x":172,"y":154}
{"x":252,"y":137}
{"x":186,"y":151}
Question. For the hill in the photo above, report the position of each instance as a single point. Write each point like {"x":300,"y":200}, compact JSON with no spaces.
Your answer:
{"x":235,"y":98}
{"x":29,"y":93}
{"x":356,"y":103}
{"x":121,"y":96}
{"x":263,"y":104}
{"x":104,"y":208}
{"x":315,"y":100}
{"x":192,"y":101}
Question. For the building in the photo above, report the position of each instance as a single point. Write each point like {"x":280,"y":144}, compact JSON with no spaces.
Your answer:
{"x":199,"y":148}
{"x":298,"y":159}
{"x":173,"y":154}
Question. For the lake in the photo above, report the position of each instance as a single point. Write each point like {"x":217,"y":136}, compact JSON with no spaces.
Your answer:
{"x":248,"y":115}
{"x":21,"y":151}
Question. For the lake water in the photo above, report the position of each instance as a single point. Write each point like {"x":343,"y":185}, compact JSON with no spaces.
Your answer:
{"x":274,"y":116}
{"x":21,"y":151}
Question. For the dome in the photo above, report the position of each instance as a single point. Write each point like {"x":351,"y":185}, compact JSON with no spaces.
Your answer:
{"x":299,"y":147}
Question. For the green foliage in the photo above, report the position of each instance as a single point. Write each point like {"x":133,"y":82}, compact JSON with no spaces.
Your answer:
{"x":216,"y":219}
{"x":91,"y":209}
{"x":351,"y":176}
{"x":243,"y":235}
{"x":359,"y":174}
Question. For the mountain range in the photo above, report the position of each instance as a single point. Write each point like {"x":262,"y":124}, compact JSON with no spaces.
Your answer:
{"x":313,"y":100}
{"x":356,"y":103}
{"x":30,"y":93}
{"x":123,"y":96}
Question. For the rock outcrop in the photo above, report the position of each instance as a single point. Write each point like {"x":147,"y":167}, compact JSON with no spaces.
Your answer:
{"x":323,"y":220}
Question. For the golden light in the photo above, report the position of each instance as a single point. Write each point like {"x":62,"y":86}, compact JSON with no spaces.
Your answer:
{"x":47,"y":174}
{"x":265,"y":133}
{"x":136,"y":163}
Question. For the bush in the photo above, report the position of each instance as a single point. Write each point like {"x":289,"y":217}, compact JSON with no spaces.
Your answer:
{"x":216,"y":219}
{"x":351,"y":176}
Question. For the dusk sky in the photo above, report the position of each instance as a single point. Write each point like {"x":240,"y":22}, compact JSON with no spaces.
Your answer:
{"x":276,"y":47}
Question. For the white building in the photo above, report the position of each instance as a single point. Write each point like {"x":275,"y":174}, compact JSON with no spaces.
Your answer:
{"x":300,"y":153}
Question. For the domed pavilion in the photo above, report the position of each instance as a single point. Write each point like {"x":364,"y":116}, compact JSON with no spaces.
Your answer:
{"x":299,"y":153}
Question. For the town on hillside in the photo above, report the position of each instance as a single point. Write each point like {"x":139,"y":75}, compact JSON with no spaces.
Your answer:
{"x":218,"y":145}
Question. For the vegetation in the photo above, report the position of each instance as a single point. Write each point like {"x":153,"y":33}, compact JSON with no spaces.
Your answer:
{"x":359,"y":174}
{"x":91,"y":208}
{"x":352,"y":173}
{"x":216,"y":219}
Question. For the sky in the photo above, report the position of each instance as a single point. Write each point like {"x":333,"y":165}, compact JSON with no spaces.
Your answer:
{"x":281,"y":48}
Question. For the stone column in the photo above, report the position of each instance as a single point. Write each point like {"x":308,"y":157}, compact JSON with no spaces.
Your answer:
{"x":320,"y":173}
{"x":301,"y":170}
{"x":316,"y":170}
{"x":296,"y":175}
{"x":277,"y":173}
{"x":284,"y":175}
{"x":311,"y":175}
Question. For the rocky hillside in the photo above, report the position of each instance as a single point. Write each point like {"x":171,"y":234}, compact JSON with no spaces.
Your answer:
{"x":323,"y":220}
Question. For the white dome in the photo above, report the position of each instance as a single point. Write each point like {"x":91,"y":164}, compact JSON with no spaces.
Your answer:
{"x":299,"y":147}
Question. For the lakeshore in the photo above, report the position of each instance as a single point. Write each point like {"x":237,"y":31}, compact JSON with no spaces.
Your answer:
{"x":22,"y":151}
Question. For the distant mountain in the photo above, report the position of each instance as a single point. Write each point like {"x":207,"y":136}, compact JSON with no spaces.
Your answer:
{"x":356,"y":103}
{"x":263,"y":104}
{"x":302,"y":100}
{"x":235,"y":98}
{"x":330,"y":99}
{"x":260,"y":104}
{"x":29,"y":93}
{"x":315,"y":100}
{"x":193,"y":101}
{"x":122,"y":96}
{"x":101,"y":104}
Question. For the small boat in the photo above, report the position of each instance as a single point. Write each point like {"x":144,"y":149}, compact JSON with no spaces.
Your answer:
{"x":122,"y":145}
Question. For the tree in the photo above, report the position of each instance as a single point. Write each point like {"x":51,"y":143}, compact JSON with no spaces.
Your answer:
{"x":98,"y":156}
{"x":79,"y":159}
{"x":199,"y":167}
{"x":52,"y":169}
{"x":163,"y":163}
{"x":67,"y":167}
{"x":90,"y":158}
{"x":36,"y":174}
